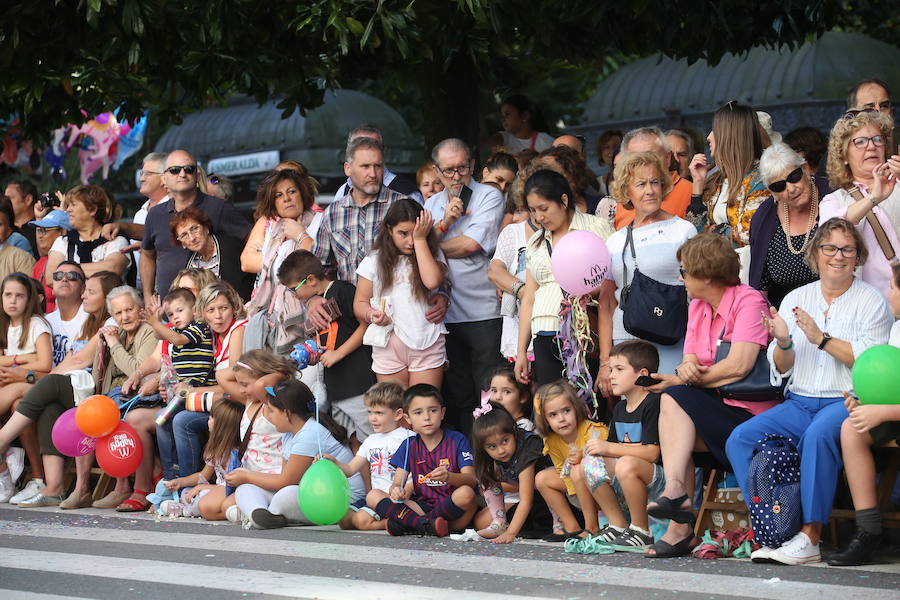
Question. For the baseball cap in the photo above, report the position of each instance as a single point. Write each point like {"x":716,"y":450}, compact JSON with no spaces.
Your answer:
{"x":55,"y":218}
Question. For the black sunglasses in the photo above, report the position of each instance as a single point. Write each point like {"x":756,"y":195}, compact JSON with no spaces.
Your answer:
{"x":188,"y":169}
{"x":793,"y":177}
{"x":70,"y":275}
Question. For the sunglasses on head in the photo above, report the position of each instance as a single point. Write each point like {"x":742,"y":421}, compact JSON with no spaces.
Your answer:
{"x":793,"y":177}
{"x":70,"y":275}
{"x":176,"y":169}
{"x":213,"y":179}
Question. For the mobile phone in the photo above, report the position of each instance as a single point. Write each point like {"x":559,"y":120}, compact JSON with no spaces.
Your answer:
{"x":646,"y":381}
{"x":465,"y":194}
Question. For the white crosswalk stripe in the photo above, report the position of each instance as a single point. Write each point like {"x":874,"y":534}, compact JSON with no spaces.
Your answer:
{"x":147,"y":556}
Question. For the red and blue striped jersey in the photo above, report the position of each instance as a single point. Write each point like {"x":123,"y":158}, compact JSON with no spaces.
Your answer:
{"x":453,"y":451}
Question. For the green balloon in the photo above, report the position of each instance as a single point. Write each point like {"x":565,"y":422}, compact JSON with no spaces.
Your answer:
{"x":324,"y":493}
{"x":875,"y":375}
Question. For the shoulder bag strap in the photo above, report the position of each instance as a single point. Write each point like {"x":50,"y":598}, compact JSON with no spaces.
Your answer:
{"x":629,"y":243}
{"x":877,"y":229}
{"x":245,"y":441}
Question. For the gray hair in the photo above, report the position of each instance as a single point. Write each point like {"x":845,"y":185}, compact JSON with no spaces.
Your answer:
{"x":365,"y":130}
{"x":645,"y":131}
{"x":156,"y":157}
{"x":776,"y":159}
{"x":450,"y":144}
{"x":121,"y":291}
{"x":684,"y":136}
{"x":365,"y":143}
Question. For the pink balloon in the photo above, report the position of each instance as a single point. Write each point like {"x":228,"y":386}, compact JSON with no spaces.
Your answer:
{"x":68,"y":439}
{"x":580,"y":262}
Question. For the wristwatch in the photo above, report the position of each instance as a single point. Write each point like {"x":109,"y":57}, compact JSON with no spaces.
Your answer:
{"x":825,"y":339}
{"x":29,"y":377}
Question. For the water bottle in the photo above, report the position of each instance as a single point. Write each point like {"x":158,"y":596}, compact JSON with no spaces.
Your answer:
{"x":168,"y":379}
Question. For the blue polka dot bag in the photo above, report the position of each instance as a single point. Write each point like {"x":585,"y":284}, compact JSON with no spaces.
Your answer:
{"x":773,"y":487}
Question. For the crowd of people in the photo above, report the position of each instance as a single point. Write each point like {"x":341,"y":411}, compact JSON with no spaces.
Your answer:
{"x":415,"y":334}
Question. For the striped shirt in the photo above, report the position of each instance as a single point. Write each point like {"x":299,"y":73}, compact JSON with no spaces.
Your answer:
{"x":193,"y":362}
{"x":859,"y":316}
{"x":453,"y":451}
{"x":348,"y":231}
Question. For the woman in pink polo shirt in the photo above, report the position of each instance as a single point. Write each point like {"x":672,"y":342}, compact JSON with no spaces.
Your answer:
{"x":693,"y":417}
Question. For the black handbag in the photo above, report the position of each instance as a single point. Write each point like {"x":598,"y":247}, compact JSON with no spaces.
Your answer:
{"x":652,"y":311}
{"x":756,"y":386}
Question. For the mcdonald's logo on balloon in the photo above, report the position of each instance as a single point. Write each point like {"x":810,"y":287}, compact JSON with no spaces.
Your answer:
{"x":119,"y":454}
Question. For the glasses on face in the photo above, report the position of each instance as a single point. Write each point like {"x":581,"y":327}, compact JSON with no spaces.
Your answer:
{"x":297,"y":287}
{"x":681,"y":272}
{"x":213,"y":179}
{"x":832,"y":250}
{"x":863,"y":141}
{"x":176,"y":169}
{"x":46,"y":230}
{"x":70,"y":275}
{"x":450,"y":172}
{"x":190,"y":232}
{"x":143,"y":172}
{"x":793,"y":177}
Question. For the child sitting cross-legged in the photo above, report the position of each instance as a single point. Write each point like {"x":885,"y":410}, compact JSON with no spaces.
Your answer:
{"x":384,"y":403}
{"x":440,"y":463}
{"x":630,"y":453}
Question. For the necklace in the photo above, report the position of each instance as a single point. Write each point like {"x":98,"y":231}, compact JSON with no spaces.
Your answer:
{"x":813,"y":214}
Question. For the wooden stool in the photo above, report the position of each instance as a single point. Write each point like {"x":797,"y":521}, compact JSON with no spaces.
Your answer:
{"x":727,"y":506}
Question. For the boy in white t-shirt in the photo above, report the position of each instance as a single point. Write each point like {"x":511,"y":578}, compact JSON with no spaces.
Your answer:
{"x":384,"y":403}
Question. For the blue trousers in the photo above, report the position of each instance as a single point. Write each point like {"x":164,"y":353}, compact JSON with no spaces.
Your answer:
{"x":180,"y":442}
{"x":816,"y":423}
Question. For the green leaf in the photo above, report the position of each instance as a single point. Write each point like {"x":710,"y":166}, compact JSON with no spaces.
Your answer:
{"x":355,"y":26}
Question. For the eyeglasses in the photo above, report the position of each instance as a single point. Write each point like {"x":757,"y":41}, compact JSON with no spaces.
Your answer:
{"x":190,"y":232}
{"x":69,"y":275}
{"x":143,"y":172}
{"x":46,"y":230}
{"x":793,"y":177}
{"x":176,"y":169}
{"x":832,"y":250}
{"x":855,"y":112}
{"x":297,"y":287}
{"x":681,"y":272}
{"x":450,"y":172}
{"x":863,"y":141}
{"x":213,"y":179}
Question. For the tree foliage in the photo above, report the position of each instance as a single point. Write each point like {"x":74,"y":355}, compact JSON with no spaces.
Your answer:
{"x":61,"y":57}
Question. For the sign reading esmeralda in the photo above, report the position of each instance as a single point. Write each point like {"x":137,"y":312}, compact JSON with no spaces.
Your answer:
{"x":244,"y":163}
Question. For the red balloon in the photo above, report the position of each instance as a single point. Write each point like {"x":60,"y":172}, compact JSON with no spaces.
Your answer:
{"x":119,"y":454}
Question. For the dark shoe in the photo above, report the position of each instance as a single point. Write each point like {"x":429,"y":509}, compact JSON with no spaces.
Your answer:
{"x":561,"y":537}
{"x":396,"y":528}
{"x":263,"y":519}
{"x":437,"y":527}
{"x":666,"y":550}
{"x":670,"y":508}
{"x":858,"y":552}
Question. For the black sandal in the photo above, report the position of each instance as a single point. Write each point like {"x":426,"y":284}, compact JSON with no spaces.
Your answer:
{"x":664,"y":549}
{"x":670,"y":508}
{"x":561,"y":537}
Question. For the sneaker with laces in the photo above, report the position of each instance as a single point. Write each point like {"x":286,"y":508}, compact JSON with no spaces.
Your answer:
{"x":609,"y":533}
{"x":233,"y":514}
{"x":15,"y":461}
{"x":171,"y":508}
{"x":396,"y":528}
{"x":762,"y":555}
{"x":437,"y":527}
{"x":31,"y":489}
{"x":796,"y":551}
{"x":7,"y":487}
{"x":261,"y":518}
{"x":632,"y":538}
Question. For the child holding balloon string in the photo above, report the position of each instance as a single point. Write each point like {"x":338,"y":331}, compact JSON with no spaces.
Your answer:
{"x":868,"y":426}
{"x":269,"y":500}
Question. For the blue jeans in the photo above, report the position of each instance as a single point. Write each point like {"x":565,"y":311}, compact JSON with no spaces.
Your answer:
{"x":180,"y":442}
{"x":816,"y":423}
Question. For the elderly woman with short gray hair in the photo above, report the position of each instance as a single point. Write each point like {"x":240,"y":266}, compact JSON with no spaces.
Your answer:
{"x":784,"y":224}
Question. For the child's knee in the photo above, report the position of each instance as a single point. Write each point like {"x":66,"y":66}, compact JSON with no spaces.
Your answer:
{"x":576,"y":473}
{"x":851,"y":437}
{"x":629,"y":467}
{"x":374,"y":497}
{"x":464,"y":497}
{"x":361,"y":519}
{"x":547,"y":479}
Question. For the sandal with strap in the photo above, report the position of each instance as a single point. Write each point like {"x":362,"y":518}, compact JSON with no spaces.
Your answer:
{"x":670,"y":508}
{"x":663,"y":549}
{"x":133,"y":504}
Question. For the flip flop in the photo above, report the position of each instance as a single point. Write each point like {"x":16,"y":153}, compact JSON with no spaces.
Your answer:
{"x":670,"y":508}
{"x":134,"y":505}
{"x":664,"y":549}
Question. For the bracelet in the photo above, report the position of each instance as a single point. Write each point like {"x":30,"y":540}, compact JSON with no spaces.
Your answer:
{"x":872,"y":202}
{"x":517,"y":288}
{"x":303,"y":236}
{"x":785,"y":348}
{"x":15,"y":360}
{"x":441,"y":226}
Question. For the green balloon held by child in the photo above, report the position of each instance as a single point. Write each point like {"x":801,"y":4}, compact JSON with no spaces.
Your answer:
{"x":876,"y":374}
{"x":324,"y":493}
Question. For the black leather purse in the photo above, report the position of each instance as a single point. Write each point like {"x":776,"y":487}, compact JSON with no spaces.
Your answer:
{"x":652,"y":311}
{"x":756,"y":386}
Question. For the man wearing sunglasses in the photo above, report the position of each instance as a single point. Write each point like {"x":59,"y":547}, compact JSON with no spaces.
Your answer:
{"x":870,"y":94}
{"x":69,"y":317}
{"x":161,"y":259}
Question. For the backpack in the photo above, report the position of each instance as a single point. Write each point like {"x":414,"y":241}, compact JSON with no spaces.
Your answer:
{"x":773,"y":487}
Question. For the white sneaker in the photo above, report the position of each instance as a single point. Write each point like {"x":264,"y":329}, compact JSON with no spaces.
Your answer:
{"x":15,"y":460}
{"x":233,"y":514}
{"x":171,"y":508}
{"x":7,"y":487}
{"x":796,"y":551}
{"x":32,"y":488}
{"x":762,"y":555}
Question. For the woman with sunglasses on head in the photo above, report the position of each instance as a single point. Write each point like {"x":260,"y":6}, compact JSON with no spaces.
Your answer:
{"x":865,"y":192}
{"x":782,"y":227}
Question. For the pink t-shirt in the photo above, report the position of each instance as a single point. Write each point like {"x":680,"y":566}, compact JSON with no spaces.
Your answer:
{"x":740,"y":314}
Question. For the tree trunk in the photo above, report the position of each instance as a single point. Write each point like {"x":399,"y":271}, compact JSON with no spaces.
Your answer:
{"x":450,"y":102}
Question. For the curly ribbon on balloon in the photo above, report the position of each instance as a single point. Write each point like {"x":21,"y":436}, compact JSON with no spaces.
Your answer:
{"x":574,"y":343}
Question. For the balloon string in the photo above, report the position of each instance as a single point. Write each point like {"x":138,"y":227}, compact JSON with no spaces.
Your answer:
{"x":128,"y":405}
{"x":318,"y":437}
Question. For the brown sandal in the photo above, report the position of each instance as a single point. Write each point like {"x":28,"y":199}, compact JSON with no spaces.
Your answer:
{"x":111,"y":500}
{"x":133,"y":504}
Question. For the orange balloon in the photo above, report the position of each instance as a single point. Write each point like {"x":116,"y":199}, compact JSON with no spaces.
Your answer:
{"x":97,"y":416}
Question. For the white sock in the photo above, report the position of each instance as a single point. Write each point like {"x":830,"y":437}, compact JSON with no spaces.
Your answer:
{"x":638,"y":529}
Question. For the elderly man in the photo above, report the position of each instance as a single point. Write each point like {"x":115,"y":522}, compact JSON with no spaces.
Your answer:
{"x":652,"y":139}
{"x":398,"y":183}
{"x":576,"y":143}
{"x":161,"y":259}
{"x":869,"y":94}
{"x":467,"y":219}
{"x":682,"y":147}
